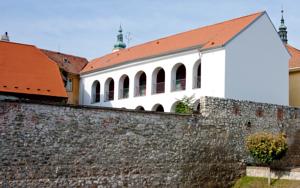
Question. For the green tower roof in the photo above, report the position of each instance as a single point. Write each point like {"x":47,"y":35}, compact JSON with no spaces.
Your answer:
{"x":282,"y":29}
{"x":119,"y":44}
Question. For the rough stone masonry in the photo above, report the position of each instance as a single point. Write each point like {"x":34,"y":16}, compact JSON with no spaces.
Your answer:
{"x":44,"y":145}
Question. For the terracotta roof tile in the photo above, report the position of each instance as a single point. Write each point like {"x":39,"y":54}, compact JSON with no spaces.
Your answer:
{"x":25,"y":69}
{"x":294,"y":61}
{"x":69,"y":63}
{"x":205,"y":37}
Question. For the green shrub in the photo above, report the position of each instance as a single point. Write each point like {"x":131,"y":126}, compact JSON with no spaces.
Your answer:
{"x":266,"y":147}
{"x":185,"y":105}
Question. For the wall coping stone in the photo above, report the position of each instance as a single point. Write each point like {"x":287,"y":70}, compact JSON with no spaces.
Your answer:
{"x":256,"y":171}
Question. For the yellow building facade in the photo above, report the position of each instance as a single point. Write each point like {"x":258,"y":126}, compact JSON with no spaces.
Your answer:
{"x":72,"y":88}
{"x":294,"y":83}
{"x":294,"y":76}
{"x":70,"y":67}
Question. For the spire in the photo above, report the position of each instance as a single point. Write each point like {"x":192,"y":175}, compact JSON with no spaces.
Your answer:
{"x":119,"y":44}
{"x":282,"y":29}
{"x":5,"y":37}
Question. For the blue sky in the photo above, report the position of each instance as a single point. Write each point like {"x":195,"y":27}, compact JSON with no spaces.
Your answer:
{"x":88,"y":28}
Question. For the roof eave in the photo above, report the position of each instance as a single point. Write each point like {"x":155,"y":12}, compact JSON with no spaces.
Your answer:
{"x":294,"y":69}
{"x":154,"y":56}
{"x":62,"y":95}
{"x":142,"y":59}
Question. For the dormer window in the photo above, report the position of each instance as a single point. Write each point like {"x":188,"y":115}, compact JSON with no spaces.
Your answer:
{"x":66,"y":60}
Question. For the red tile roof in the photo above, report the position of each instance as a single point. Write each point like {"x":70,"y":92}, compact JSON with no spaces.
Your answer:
{"x":69,"y":63}
{"x":295,"y":57}
{"x":204,"y":38}
{"x":25,"y":69}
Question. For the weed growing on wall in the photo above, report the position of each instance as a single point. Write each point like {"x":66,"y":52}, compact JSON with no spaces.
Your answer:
{"x":185,"y":105}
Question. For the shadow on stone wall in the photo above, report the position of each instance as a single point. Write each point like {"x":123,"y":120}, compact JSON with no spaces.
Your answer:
{"x":292,"y":158}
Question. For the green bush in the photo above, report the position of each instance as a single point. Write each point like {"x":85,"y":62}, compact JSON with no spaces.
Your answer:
{"x":266,"y":147}
{"x":185,"y":105}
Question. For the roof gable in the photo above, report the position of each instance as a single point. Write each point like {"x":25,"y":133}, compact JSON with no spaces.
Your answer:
{"x":294,"y":61}
{"x":203,"y":38}
{"x":69,"y":63}
{"x":25,"y":69}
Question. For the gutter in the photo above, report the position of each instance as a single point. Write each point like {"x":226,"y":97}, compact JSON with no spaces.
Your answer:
{"x":296,"y":69}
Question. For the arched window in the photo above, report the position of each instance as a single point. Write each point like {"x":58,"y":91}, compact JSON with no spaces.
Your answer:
{"x":178,"y":77}
{"x":196,"y":106}
{"x":140,"y":108}
{"x":197,"y":74}
{"x":95,"y":92}
{"x":140,"y":84}
{"x":109,"y":89}
{"x":173,"y":107}
{"x":158,"y":80}
{"x":124,"y":87}
{"x":158,"y":108}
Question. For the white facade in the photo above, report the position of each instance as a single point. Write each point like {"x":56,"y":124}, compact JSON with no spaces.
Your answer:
{"x":250,"y":67}
{"x":257,"y":65}
{"x":210,"y":86}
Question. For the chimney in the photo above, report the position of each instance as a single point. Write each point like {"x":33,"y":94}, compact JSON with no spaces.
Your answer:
{"x":5,"y":37}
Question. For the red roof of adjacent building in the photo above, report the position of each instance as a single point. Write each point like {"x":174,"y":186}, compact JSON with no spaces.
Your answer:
{"x":295,"y":57}
{"x":25,"y":69}
{"x":69,"y":63}
{"x":203,"y":38}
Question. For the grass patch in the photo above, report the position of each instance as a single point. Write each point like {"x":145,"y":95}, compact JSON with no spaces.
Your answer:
{"x":255,"y":182}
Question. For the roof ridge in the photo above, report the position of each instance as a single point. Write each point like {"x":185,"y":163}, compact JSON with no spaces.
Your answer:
{"x":201,"y":27}
{"x":63,"y":53}
{"x":18,"y":43}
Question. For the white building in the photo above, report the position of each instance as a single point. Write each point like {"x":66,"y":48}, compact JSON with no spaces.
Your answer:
{"x":243,"y":58}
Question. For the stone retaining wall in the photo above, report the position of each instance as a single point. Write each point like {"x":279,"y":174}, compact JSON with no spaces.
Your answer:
{"x":49,"y":145}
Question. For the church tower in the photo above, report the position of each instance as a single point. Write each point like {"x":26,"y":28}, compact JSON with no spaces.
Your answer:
{"x":283,"y":30}
{"x":119,"y":44}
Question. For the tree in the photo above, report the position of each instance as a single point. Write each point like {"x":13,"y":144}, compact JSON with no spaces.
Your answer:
{"x":185,"y":105}
{"x":266,"y":147}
